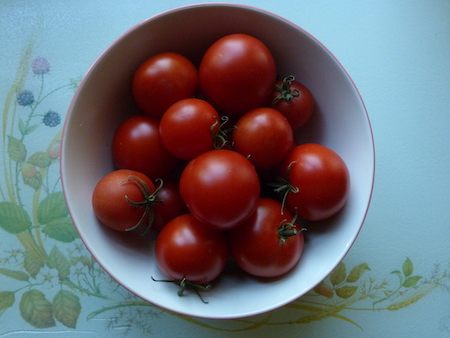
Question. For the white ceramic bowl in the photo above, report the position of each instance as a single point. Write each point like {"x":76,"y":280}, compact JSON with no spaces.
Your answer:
{"x":104,"y":99}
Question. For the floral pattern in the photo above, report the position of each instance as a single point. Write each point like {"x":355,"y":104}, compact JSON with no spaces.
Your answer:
{"x":53,"y":275}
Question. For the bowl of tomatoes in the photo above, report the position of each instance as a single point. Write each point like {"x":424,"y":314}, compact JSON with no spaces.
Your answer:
{"x":220,"y":167}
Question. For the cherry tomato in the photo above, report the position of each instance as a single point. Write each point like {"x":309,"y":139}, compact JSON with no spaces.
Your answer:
{"x":187,"y":128}
{"x":237,"y":73}
{"x":186,"y":249}
{"x":137,"y":146}
{"x":221,"y":188}
{"x":172,"y":204}
{"x":319,"y":181}
{"x":121,"y":199}
{"x":269,"y":244}
{"x":293,"y":100}
{"x":163,"y":80}
{"x":264,"y":136}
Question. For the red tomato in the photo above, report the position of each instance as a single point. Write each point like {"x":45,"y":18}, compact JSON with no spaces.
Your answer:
{"x":267,"y":244}
{"x":163,"y":80}
{"x":121,"y":199}
{"x":221,"y":188}
{"x":186,"y":249}
{"x":319,"y":181}
{"x":237,"y":73}
{"x":137,"y":146}
{"x":264,"y":136}
{"x":293,"y":100}
{"x":172,"y":204}
{"x":187,"y":128}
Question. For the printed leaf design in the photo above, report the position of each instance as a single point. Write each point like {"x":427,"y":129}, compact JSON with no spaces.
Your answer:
{"x":407,"y":267}
{"x":339,"y":274}
{"x":15,"y":274}
{"x":13,"y":218}
{"x":66,"y":308}
{"x":356,"y":273}
{"x":52,"y":207}
{"x":34,"y":182}
{"x":324,"y":290}
{"x":24,"y":130}
{"x":61,"y":229}
{"x":346,"y":291}
{"x":58,"y":261}
{"x":7,"y":299}
{"x":36,"y":310}
{"x":40,"y":159}
{"x":16,"y":149}
{"x":411,"y":281}
{"x":32,"y":265}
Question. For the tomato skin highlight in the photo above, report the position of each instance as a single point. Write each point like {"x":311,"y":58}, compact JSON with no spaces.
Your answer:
{"x":264,"y":136}
{"x":185,"y":248}
{"x":256,"y":247}
{"x":236,"y":74}
{"x":221,"y":188}
{"x":162,"y":80}
{"x":110,"y":204}
{"x":297,"y":105}
{"x":322,"y":179}
{"x":137,"y":145}
{"x":186,"y":128}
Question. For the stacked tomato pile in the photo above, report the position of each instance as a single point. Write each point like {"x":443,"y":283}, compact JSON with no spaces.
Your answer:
{"x":196,"y":165}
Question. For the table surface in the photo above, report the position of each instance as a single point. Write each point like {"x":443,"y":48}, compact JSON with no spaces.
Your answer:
{"x":397,"y":53}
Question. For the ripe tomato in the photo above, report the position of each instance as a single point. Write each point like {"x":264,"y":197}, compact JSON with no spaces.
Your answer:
{"x":137,"y":146}
{"x":319,"y":181}
{"x":186,"y":249}
{"x":267,"y":244}
{"x":163,"y":80}
{"x":121,"y":199}
{"x":264,"y":136}
{"x":237,"y":73}
{"x":293,"y":100}
{"x":187,"y":128}
{"x":221,"y":188}
{"x":172,"y":204}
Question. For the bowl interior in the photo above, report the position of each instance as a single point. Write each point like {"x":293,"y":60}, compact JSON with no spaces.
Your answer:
{"x":104,"y":99}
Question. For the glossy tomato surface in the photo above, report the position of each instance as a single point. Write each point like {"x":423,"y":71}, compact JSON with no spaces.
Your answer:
{"x":260,"y":246}
{"x":321,"y":180}
{"x":137,"y":145}
{"x":187,"y":128}
{"x":185,"y":248}
{"x":112,"y":196}
{"x":237,"y":74}
{"x":264,"y":136}
{"x":163,"y":80}
{"x":221,"y":188}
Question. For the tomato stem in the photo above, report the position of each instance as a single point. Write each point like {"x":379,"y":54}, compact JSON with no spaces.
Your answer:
{"x":284,"y":186}
{"x":286,"y":93}
{"x":184,"y":283}
{"x":220,"y":137}
{"x":148,"y":201}
{"x":288,"y":229}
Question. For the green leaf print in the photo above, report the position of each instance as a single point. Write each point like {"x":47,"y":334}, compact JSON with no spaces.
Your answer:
{"x":411,"y":281}
{"x":52,"y":207}
{"x":7,"y":299}
{"x":36,"y":310}
{"x":339,"y":274}
{"x":39,"y":159}
{"x":61,"y":229}
{"x":16,"y":149}
{"x":66,"y":308}
{"x":356,"y":273}
{"x":32,"y":265}
{"x":13,"y":218}
{"x":346,"y":291}
{"x":407,"y":267}
{"x":15,"y":274}
{"x":59,"y":262}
